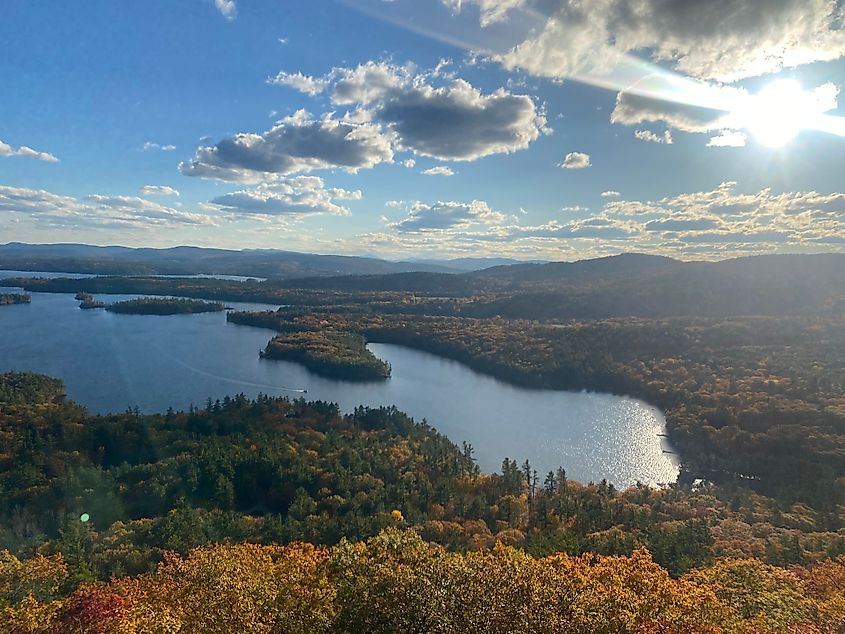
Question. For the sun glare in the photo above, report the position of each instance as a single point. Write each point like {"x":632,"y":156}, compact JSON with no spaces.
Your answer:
{"x":779,"y":112}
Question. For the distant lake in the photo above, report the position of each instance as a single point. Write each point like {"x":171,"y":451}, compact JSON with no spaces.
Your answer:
{"x":111,"y":362}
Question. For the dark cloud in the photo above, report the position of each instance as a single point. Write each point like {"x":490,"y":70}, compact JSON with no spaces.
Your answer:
{"x":725,"y":40}
{"x":296,"y":144}
{"x":455,"y":121}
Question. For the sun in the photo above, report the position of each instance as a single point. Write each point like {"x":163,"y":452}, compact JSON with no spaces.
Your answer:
{"x":779,"y":112}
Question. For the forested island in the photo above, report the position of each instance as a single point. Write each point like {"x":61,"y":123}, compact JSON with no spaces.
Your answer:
{"x":164,"y":306}
{"x":87,"y":301}
{"x":341,"y":355}
{"x":7,"y":299}
{"x":401,"y":529}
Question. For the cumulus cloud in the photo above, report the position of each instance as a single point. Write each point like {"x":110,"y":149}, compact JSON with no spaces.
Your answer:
{"x":368,"y":83}
{"x":762,"y":220}
{"x":295,"y":144}
{"x":227,"y":8}
{"x":158,"y":190}
{"x":303,"y":83}
{"x":724,"y":40}
{"x":455,"y":121}
{"x":440,"y":170}
{"x":721,"y":222}
{"x":446,"y":216}
{"x":728,"y":109}
{"x":651,"y":137}
{"x":610,"y":194}
{"x":728,"y":138}
{"x":576,"y":161}
{"x":95,"y":211}
{"x":458,"y":122}
{"x":28,"y":152}
{"x":636,"y":109}
{"x":299,"y":196}
{"x":491,"y":10}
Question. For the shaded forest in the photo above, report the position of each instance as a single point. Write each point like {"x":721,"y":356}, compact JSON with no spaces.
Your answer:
{"x":162,"y":306}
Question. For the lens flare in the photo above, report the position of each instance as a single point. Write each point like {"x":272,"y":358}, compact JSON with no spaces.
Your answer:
{"x":780,"y":111}
{"x":774,"y":116}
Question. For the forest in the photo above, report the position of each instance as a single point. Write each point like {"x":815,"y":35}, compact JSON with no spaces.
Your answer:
{"x":746,"y":358}
{"x":340,"y":355}
{"x":163,"y":306}
{"x":754,"y":399}
{"x":628,"y":285}
{"x":87,"y":301}
{"x":7,"y":299}
{"x":388,"y":525}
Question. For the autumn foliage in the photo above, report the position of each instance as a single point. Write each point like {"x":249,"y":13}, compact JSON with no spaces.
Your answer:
{"x":396,"y":582}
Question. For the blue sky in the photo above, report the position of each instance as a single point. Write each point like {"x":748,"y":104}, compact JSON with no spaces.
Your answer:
{"x":310,"y":126}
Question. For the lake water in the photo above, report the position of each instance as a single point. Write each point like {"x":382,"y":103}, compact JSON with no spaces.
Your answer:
{"x":110,"y":362}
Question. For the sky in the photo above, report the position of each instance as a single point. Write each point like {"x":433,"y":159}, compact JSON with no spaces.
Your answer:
{"x":533,"y":129}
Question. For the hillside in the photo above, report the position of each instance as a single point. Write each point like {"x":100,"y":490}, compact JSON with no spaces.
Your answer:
{"x":109,"y":523}
{"x":80,"y":258}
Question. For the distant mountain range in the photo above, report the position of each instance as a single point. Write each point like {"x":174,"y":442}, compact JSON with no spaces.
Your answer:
{"x":474,"y":264}
{"x":623,"y":285}
{"x":626,"y":285}
{"x":269,"y":263}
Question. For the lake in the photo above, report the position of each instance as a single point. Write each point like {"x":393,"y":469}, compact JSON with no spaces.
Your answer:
{"x":110,"y":362}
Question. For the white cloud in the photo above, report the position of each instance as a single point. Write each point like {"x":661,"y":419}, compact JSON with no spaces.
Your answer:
{"x":299,"y":196}
{"x":227,"y":8}
{"x":491,"y":10}
{"x":368,"y":83}
{"x":295,"y":144}
{"x":150,"y":145}
{"x":96,"y":211}
{"x":648,"y":135}
{"x":725,"y":40}
{"x":718,"y":223}
{"x":440,"y":170}
{"x":303,"y":83}
{"x":446,"y":216}
{"x":28,"y":152}
{"x":409,"y":163}
{"x":728,"y":138}
{"x":760,"y":221}
{"x":158,"y":190}
{"x":610,"y":194}
{"x":576,"y":161}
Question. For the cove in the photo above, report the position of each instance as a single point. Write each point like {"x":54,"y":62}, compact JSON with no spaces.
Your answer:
{"x":112,"y":362}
